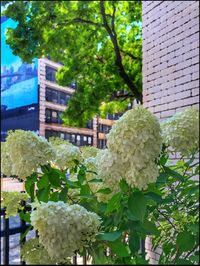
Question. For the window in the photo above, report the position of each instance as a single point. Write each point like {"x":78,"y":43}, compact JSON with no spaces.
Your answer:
{"x":102,"y":143}
{"x":52,"y":116}
{"x":50,"y":74}
{"x":56,"y":96}
{"x":76,"y":139}
{"x":89,"y":124}
{"x":104,"y":128}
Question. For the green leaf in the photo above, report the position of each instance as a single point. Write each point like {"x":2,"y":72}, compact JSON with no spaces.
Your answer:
{"x":112,"y":236}
{"x":30,"y":187}
{"x":85,"y":190}
{"x":119,"y":248}
{"x":162,"y":178}
{"x":185,"y":241}
{"x":134,"y":242}
{"x":43,"y":194}
{"x":81,"y":175}
{"x":25,"y":216}
{"x":95,"y":180}
{"x":123,"y":185}
{"x":73,"y":184}
{"x":151,"y":228}
{"x":54,"y":179}
{"x":63,"y":194}
{"x":104,"y":191}
{"x":43,"y":182}
{"x":137,"y":205}
{"x":54,"y":196}
{"x":173,"y":174}
{"x":114,"y":203}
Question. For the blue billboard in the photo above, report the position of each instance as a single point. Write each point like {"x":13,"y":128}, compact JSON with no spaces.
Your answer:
{"x":19,"y":88}
{"x":19,"y":81}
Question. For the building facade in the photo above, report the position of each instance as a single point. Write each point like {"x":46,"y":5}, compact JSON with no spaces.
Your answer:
{"x":170,"y":63}
{"x":52,"y":102}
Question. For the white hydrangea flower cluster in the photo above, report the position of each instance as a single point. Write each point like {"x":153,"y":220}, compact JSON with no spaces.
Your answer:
{"x":65,"y":155}
{"x":181,"y":131}
{"x":64,"y":229}
{"x":134,"y":143}
{"x":109,"y":169}
{"x":89,"y":151}
{"x":33,"y":253}
{"x":27,"y":151}
{"x":6,"y":163}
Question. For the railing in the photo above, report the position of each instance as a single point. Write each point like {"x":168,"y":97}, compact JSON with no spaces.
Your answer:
{"x":8,"y":231}
{"x":20,"y":229}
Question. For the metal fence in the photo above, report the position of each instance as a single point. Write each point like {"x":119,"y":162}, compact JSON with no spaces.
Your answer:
{"x":6,"y":232}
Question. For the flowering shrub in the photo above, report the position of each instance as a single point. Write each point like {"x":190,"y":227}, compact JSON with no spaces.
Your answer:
{"x":181,"y":131}
{"x":12,"y":202}
{"x":65,"y":155}
{"x":27,"y":152}
{"x":76,"y":228}
{"x":35,"y":254}
{"x":90,"y":200}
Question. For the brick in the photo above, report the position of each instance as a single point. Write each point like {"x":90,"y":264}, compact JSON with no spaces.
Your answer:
{"x":182,"y":95}
{"x":167,"y":113}
{"x":195,"y":91}
{"x":183,"y":80}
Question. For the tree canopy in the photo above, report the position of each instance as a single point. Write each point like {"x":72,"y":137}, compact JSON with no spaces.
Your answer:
{"x":98,"y":43}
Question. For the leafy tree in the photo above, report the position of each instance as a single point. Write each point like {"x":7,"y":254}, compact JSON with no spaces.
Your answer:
{"x":98,"y":43}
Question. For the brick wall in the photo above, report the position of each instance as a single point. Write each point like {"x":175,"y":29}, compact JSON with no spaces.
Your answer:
{"x":170,"y":62}
{"x":170,"y":56}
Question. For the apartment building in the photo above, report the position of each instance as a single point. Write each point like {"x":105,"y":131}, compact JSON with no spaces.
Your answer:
{"x":52,"y":102}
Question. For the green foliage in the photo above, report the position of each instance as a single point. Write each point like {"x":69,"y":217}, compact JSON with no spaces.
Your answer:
{"x":167,"y":210}
{"x":177,"y":215}
{"x":98,"y":42}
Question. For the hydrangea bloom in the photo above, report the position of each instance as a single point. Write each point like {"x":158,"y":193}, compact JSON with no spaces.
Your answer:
{"x":11,"y":201}
{"x":109,"y":169}
{"x":88,"y":152}
{"x":27,"y":152}
{"x":33,"y":253}
{"x":6,"y":163}
{"x":64,"y":229}
{"x":136,"y":139}
{"x":65,"y":155}
{"x":181,"y":131}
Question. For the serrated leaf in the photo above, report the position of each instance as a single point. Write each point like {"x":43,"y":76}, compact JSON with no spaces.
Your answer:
{"x":123,"y":185}
{"x":173,"y":174}
{"x":43,"y":182}
{"x":54,"y":179}
{"x":137,"y":205}
{"x":112,"y":236}
{"x":43,"y":194}
{"x":104,"y":191}
{"x":185,"y":241}
{"x":119,"y":248}
{"x":114,"y":203}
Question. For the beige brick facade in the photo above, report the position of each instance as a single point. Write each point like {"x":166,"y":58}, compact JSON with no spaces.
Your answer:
{"x":170,"y":62}
{"x":170,"y":56}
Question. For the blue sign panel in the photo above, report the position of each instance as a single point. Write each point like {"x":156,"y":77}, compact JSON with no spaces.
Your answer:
{"x":19,"y":88}
{"x":19,"y":81}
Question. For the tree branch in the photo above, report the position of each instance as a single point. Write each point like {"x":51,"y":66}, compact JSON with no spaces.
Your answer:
{"x":131,"y":55}
{"x":118,"y":61}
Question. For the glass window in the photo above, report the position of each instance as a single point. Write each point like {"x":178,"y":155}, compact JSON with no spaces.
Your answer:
{"x":62,"y":135}
{"x":78,"y":140}
{"x":54,"y":97}
{"x":48,"y":116}
{"x":50,"y":74}
{"x":73,"y":138}
{"x":48,"y":94}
